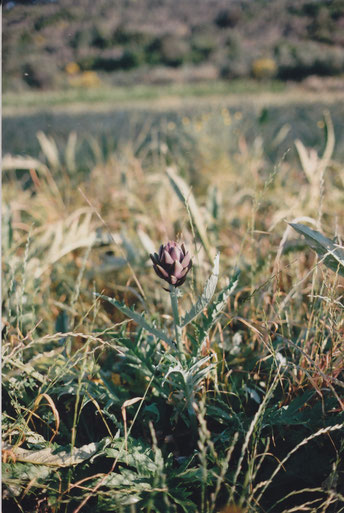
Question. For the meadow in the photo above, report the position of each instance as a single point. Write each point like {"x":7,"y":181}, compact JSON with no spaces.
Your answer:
{"x":121,"y":396}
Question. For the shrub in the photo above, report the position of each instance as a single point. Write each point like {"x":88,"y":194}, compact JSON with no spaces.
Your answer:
{"x":264,"y":68}
{"x":86,"y":62}
{"x":233,"y":43}
{"x":203,"y":43}
{"x":39,"y":73}
{"x":52,"y":19}
{"x":173,"y":50}
{"x":124,"y":35}
{"x":72,"y":68}
{"x":131,"y":58}
{"x":238,"y":62}
{"x":298,"y":60}
{"x":25,"y":39}
{"x":100,"y":37}
{"x":235,"y":68}
{"x":168,"y":49}
{"x":81,"y":38}
{"x":87,"y":80}
{"x":228,"y":17}
{"x":112,"y":61}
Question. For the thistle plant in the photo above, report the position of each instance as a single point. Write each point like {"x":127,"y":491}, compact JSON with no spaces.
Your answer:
{"x":172,"y":264}
{"x":184,"y":372}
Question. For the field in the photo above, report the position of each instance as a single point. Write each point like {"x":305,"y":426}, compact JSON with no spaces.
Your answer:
{"x":121,"y":396}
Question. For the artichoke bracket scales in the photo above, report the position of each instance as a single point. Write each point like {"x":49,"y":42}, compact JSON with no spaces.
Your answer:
{"x":172,"y":263}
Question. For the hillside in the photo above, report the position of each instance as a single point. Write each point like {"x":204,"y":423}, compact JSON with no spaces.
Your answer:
{"x":82,"y":44}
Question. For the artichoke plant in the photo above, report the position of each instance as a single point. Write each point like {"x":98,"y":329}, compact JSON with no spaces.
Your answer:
{"x":172,"y":263}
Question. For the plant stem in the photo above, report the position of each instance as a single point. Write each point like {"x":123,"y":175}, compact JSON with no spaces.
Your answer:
{"x":177,"y":328}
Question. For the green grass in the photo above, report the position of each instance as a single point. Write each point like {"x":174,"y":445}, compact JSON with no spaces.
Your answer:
{"x":134,"y":93}
{"x":102,"y":413}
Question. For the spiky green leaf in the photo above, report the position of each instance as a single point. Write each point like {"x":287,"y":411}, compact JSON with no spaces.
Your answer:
{"x":138,"y":318}
{"x":331,"y":254}
{"x":55,"y":457}
{"x":215,"y":309}
{"x":206,"y":295}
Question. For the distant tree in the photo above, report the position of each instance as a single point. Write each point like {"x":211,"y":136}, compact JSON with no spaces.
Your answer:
{"x":228,"y":17}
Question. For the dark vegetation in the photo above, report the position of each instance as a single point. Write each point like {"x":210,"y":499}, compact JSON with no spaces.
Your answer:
{"x":85,"y":43}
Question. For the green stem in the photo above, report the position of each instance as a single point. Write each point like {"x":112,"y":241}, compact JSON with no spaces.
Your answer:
{"x":177,"y":328}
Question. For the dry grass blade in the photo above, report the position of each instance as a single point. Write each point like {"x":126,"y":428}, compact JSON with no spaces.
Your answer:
{"x":53,"y":408}
{"x":10,"y":162}
{"x":66,"y":236}
{"x":185,"y":195}
{"x":250,"y":431}
{"x":71,"y":151}
{"x":124,"y":407}
{"x":49,"y":148}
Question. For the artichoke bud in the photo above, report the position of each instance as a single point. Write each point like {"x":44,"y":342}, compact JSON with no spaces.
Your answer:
{"x":172,"y":263}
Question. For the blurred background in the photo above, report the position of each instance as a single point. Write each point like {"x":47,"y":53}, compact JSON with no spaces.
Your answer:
{"x":62,"y":43}
{"x":105,"y":59}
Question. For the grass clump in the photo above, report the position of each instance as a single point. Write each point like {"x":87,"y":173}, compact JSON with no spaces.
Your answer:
{"x":102,"y":411}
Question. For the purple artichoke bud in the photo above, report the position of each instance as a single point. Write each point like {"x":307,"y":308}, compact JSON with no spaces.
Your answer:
{"x":172,"y":263}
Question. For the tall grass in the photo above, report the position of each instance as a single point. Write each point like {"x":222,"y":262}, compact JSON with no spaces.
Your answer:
{"x":98,"y":412}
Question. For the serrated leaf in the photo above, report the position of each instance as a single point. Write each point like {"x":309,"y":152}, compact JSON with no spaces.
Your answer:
{"x":292,"y":414}
{"x":332,"y":254}
{"x":138,"y":456}
{"x":16,"y":477}
{"x":220,"y":302}
{"x":127,"y":479}
{"x":138,"y":318}
{"x":52,"y":457}
{"x":206,"y":295}
{"x":215,"y":309}
{"x":177,"y":369}
{"x":194,"y":374}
